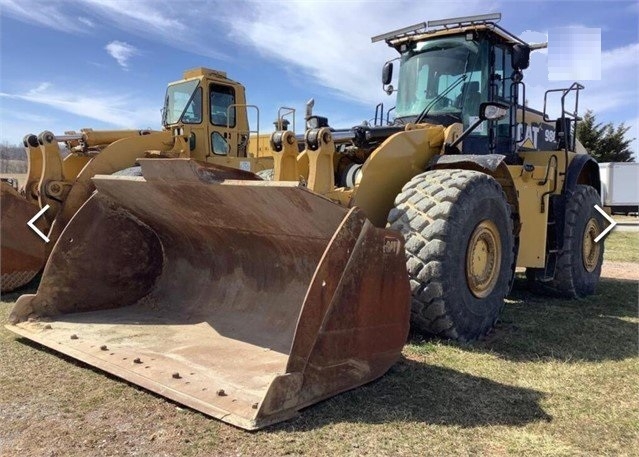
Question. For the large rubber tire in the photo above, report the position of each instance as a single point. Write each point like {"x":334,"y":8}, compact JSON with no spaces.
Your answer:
{"x":579,"y":262}
{"x":442,"y":213}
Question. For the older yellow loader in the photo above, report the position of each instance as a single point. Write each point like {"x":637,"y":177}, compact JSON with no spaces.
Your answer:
{"x":250,"y":299}
{"x":204,"y":117}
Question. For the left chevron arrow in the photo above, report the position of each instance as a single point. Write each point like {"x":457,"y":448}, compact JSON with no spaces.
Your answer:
{"x":36,"y":229}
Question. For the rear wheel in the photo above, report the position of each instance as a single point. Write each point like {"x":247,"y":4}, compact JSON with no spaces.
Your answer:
{"x":459,"y":249}
{"x":579,"y":262}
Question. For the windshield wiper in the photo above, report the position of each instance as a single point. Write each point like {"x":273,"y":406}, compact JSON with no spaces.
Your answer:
{"x":454,"y":84}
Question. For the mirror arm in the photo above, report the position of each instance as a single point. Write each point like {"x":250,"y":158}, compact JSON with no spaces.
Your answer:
{"x":466,"y":132}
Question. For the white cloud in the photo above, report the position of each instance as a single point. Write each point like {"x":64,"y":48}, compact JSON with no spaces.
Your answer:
{"x":30,"y":117}
{"x":86,"y":21}
{"x":40,"y":88}
{"x":612,"y":99}
{"x":336,"y":53}
{"x":615,"y":92}
{"x":121,"y":52}
{"x":47,"y":14}
{"x":192,"y":26}
{"x":147,"y":15}
{"x":533,"y":37}
{"x":120,"y":110}
{"x":620,"y":58}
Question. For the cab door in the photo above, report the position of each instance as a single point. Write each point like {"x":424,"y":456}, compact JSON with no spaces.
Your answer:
{"x":222,"y":121}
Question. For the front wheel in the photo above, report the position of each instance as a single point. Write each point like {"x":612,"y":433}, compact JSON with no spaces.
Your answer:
{"x":460,"y":251}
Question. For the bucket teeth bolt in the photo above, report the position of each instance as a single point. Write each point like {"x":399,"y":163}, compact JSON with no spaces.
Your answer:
{"x":220,"y":393}
{"x":137,"y":360}
{"x":104,"y":347}
{"x":176,"y":375}
{"x":254,"y":406}
{"x":74,"y":337}
{"x":47,"y":327}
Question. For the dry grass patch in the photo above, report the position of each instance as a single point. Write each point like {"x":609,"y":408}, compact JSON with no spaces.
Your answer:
{"x":622,"y":246}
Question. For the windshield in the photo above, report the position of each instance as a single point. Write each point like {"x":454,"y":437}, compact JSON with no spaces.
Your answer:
{"x":428,"y":71}
{"x":177,"y":98}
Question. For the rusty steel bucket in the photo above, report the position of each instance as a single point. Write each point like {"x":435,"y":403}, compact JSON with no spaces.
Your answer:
{"x":23,"y":252}
{"x":245,"y":300}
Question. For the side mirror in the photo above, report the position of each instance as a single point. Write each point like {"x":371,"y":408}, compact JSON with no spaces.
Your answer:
{"x":520,"y":57}
{"x":387,"y":73}
{"x":492,"y":111}
{"x":488,"y":111}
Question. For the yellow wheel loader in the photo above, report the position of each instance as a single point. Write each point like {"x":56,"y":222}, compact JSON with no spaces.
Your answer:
{"x":249,"y":299}
{"x":204,"y":117}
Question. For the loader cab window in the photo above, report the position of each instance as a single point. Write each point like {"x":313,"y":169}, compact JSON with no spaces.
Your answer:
{"x":193,"y":111}
{"x":221,"y":98}
{"x":446,"y":74}
{"x":500,"y":86}
{"x":183,"y":102}
{"x":501,"y":78}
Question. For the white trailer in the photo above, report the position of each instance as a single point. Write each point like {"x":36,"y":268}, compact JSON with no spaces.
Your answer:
{"x":620,"y":186}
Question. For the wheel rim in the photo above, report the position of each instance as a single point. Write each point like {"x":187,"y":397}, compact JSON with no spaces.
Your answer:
{"x":589,"y":249}
{"x":483,"y":259}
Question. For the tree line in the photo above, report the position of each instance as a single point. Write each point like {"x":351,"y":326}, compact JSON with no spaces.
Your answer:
{"x":13,"y":158}
{"x":604,"y":142}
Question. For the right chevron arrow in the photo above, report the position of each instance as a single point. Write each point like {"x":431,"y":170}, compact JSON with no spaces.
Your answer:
{"x":607,"y":230}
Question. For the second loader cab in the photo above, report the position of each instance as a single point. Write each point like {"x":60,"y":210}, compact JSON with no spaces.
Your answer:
{"x":206,"y":113}
{"x":211,"y":108}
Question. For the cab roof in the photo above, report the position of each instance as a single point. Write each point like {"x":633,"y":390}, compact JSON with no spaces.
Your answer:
{"x":446,"y":27}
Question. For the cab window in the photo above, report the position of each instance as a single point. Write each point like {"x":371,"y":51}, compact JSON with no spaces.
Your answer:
{"x":219,"y":145}
{"x":193,"y":111}
{"x":221,"y":98}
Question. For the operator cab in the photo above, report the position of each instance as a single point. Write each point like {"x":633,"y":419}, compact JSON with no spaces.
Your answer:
{"x":210,"y":108}
{"x":446,"y":73}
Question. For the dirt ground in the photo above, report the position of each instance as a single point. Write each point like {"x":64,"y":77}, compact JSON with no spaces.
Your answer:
{"x":615,"y":270}
{"x":620,"y":270}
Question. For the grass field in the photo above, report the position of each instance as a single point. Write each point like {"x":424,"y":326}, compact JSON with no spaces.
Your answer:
{"x":623,"y":246}
{"x":555,"y":378}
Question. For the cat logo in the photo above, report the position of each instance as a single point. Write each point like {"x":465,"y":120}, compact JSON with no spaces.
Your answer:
{"x":536,"y":137}
{"x":527,"y":144}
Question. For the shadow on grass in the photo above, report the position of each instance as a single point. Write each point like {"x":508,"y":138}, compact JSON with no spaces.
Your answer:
{"x":411,"y":392}
{"x":597,"y":328}
{"x":416,"y":392}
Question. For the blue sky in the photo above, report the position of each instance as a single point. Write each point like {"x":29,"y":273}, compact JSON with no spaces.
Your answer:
{"x":104,"y":64}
